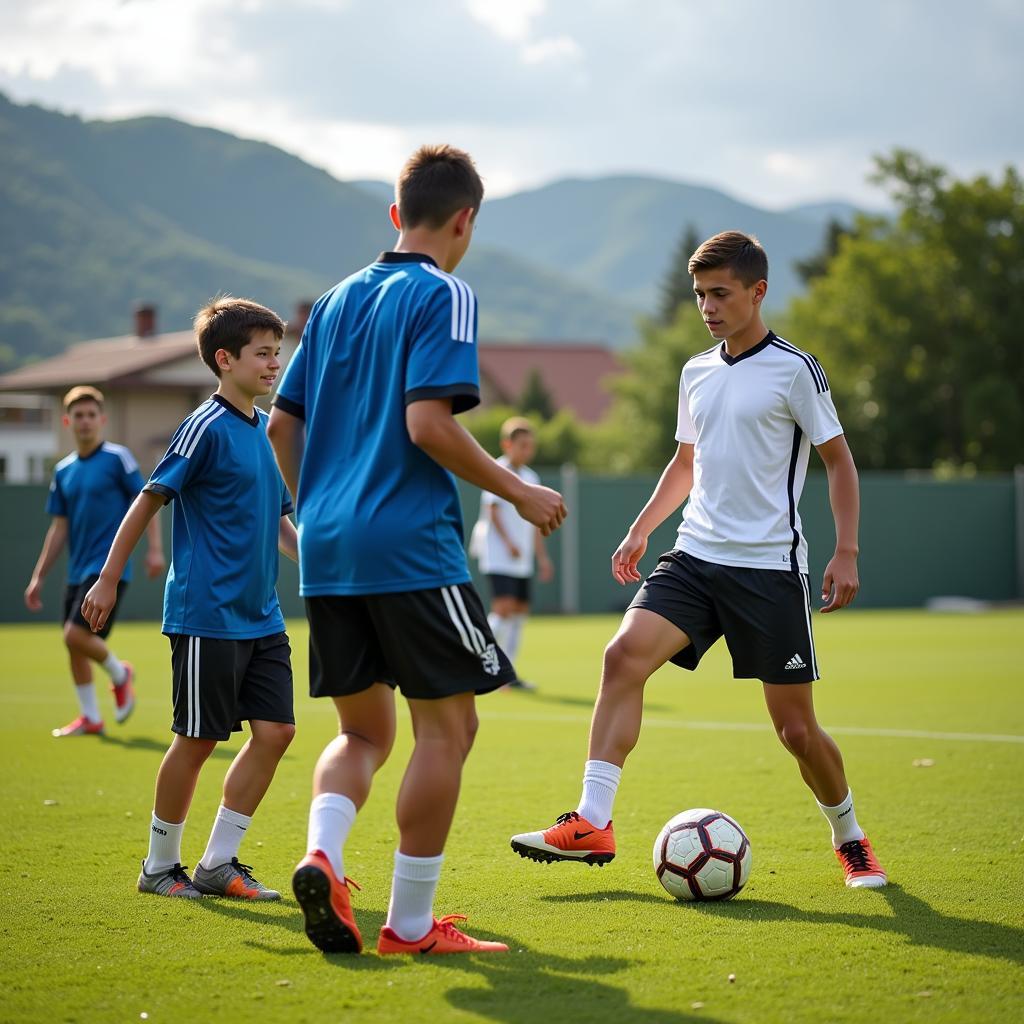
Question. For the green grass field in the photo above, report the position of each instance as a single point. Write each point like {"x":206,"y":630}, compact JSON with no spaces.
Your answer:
{"x":944,"y":942}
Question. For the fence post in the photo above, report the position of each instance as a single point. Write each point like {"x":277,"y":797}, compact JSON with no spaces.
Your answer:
{"x":1018,"y":503}
{"x":569,"y":539}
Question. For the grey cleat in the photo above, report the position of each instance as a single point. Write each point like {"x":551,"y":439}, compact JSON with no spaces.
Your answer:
{"x":232,"y":879}
{"x":172,"y":881}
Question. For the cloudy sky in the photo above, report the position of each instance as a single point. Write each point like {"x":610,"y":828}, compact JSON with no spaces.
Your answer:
{"x":775,"y":101}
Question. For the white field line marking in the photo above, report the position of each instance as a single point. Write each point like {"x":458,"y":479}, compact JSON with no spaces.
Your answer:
{"x":839,"y":730}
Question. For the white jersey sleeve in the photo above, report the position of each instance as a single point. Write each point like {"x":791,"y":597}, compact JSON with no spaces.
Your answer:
{"x":811,"y":405}
{"x":686,"y":432}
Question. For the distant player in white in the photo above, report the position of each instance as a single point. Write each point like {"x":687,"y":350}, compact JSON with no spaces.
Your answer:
{"x":750,"y":408}
{"x":506,"y":546}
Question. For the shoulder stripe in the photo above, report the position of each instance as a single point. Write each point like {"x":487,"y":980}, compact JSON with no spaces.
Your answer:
{"x":66,"y":461}
{"x":126,"y":457}
{"x":192,"y":422}
{"x":187,"y":449}
{"x":809,"y":361}
{"x":463,"y":303}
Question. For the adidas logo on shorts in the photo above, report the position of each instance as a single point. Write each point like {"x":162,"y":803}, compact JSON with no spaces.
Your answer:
{"x":796,"y":662}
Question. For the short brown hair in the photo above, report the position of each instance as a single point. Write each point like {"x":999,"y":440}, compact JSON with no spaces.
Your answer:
{"x":735,"y":251}
{"x":228,"y":323}
{"x":82,"y":393}
{"x":436,"y":182}
{"x":515,"y":427}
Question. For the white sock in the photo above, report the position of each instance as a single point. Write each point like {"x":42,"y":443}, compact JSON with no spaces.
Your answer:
{"x":229,"y":828}
{"x":515,"y":635}
{"x":114,"y":668}
{"x":164,"y":845}
{"x":86,"y":694}
{"x":411,"y":910}
{"x":600,"y":781}
{"x":843,"y":821}
{"x":499,"y":627}
{"x":331,"y":816}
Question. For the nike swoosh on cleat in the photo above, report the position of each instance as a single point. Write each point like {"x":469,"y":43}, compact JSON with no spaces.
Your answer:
{"x":427,"y":949}
{"x":582,"y":835}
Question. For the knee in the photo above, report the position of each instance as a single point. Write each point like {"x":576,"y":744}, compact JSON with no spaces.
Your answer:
{"x":796,"y":736}
{"x":73,"y":637}
{"x":620,"y":663}
{"x":193,"y":750}
{"x":275,"y":737}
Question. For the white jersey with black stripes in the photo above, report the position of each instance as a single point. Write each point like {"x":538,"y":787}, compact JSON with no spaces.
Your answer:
{"x":751,"y":419}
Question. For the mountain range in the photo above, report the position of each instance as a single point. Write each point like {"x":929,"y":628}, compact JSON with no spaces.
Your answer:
{"x":97,"y":215}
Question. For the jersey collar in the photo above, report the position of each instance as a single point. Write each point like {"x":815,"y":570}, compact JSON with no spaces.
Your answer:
{"x":759,"y":347}
{"x":221,"y":400}
{"x":406,"y":257}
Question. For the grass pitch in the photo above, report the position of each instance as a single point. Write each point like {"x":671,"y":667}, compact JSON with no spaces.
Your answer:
{"x":927,"y":709}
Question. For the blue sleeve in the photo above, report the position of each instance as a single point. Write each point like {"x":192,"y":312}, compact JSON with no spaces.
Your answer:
{"x":131,"y":478}
{"x":183,"y":465}
{"x":291,"y":393}
{"x":56,"y":505}
{"x":441,"y":360}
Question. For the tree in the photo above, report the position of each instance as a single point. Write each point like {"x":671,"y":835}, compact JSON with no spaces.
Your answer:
{"x":816,"y":265}
{"x":677,"y":286}
{"x":536,"y":398}
{"x":917,"y":320}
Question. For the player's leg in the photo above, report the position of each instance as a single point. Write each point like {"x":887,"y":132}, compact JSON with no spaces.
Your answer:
{"x":644,"y":642}
{"x":162,"y":870}
{"x":791,"y":708}
{"x":263,"y":673}
{"x":503,"y":610}
{"x":520,"y":608}
{"x":85,"y":647}
{"x":443,"y":655}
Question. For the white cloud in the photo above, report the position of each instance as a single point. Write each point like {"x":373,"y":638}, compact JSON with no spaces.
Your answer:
{"x":509,"y":19}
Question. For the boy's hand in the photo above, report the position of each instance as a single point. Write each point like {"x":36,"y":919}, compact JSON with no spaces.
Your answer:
{"x":543,"y":507}
{"x":156,"y":565}
{"x":626,"y":558}
{"x":98,"y":603}
{"x":840,"y":582}
{"x":512,"y":549}
{"x":33,"y":602}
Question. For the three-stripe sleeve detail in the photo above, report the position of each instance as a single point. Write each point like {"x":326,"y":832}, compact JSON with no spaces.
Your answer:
{"x":189,"y":439}
{"x":812,"y":364}
{"x":463,"y":304}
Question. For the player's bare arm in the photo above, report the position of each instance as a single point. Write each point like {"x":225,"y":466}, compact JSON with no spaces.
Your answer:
{"x":102,"y":595}
{"x":287,"y":434}
{"x":288,"y":539}
{"x":841,"y":583}
{"x":499,"y":528}
{"x":53,"y":544}
{"x":433,"y":428}
{"x":156,"y":564}
{"x":671,"y":491}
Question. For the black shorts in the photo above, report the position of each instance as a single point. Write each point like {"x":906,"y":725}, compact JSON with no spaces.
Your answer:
{"x":74,"y":595}
{"x":219,"y":684}
{"x":764,"y":615}
{"x":510,"y":586}
{"x":429,"y":643}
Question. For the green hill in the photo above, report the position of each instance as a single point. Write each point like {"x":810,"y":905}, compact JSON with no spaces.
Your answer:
{"x":98,"y":215}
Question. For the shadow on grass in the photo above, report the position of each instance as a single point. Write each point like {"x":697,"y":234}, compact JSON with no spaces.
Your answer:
{"x":909,"y":916}
{"x":158,"y":746}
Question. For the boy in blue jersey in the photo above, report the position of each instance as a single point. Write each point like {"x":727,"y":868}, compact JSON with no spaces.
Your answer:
{"x":230,"y":657}
{"x":90,"y":493}
{"x":365,"y":434}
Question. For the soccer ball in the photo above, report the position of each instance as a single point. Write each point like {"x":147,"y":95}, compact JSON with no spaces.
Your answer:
{"x":702,"y":855}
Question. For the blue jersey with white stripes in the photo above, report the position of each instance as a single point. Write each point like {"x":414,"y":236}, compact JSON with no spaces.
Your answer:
{"x":375,"y":513}
{"x":228,"y":502}
{"x":93,"y":493}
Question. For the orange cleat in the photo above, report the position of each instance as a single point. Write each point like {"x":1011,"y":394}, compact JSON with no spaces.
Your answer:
{"x":861,"y":865}
{"x":326,"y":904}
{"x":443,"y":937}
{"x":570,"y":838}
{"x":124,"y":695}
{"x":81,"y":726}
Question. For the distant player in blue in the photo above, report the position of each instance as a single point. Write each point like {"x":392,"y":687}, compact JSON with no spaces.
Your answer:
{"x":230,"y":657}
{"x":365,"y":434}
{"x":90,"y":493}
